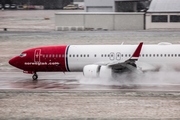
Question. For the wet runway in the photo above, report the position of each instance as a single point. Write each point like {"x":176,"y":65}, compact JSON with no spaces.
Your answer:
{"x":58,"y":96}
{"x":76,"y":81}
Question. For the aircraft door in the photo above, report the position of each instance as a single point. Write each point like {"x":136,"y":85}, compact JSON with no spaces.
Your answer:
{"x":112,"y":56}
{"x":118,"y":56}
{"x":37,"y":54}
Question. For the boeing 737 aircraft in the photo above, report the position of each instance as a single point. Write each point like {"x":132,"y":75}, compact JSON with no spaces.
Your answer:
{"x":98,"y":60}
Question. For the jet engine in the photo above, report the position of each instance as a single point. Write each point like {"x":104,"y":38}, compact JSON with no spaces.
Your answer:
{"x":91,"y":71}
{"x":94,"y":71}
{"x":105,"y":72}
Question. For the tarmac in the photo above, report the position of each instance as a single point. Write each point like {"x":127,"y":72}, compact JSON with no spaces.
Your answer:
{"x":85,"y":105}
{"x":155,"y":95}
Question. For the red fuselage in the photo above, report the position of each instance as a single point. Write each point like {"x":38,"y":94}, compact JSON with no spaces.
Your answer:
{"x":42,"y":59}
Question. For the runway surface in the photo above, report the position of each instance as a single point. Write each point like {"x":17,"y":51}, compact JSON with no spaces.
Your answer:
{"x":76,"y":81}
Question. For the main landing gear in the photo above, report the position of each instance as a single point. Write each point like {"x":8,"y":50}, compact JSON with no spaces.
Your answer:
{"x":35,"y":77}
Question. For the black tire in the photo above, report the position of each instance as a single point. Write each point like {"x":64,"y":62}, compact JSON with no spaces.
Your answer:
{"x":35,"y":77}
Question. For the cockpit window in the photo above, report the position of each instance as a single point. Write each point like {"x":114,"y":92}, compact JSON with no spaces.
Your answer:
{"x":22,"y":55}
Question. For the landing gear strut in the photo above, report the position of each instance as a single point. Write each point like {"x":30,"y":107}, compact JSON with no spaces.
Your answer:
{"x":35,"y":77}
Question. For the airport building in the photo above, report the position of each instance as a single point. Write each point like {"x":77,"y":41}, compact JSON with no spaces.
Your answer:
{"x":116,"y":5}
{"x":105,"y":15}
{"x":163,"y":14}
{"x":67,"y":21}
{"x":122,"y":15}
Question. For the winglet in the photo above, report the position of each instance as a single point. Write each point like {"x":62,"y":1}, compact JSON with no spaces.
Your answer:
{"x":137,"y":52}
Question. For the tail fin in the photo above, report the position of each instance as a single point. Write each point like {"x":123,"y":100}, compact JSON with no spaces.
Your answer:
{"x":137,"y":52}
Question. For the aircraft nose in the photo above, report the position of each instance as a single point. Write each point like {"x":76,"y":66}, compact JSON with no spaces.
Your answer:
{"x":13,"y":61}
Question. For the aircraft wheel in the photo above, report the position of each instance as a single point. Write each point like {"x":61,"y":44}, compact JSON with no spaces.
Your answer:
{"x":35,"y":77}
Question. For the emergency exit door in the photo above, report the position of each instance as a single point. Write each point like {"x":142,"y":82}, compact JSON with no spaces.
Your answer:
{"x":37,"y":54}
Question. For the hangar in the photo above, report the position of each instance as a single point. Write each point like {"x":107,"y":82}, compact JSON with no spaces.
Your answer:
{"x":75,"y":21}
{"x":105,"y":15}
{"x":163,"y":14}
{"x":123,"y":15}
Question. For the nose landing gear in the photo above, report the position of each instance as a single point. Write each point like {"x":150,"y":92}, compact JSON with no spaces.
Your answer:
{"x":35,"y":77}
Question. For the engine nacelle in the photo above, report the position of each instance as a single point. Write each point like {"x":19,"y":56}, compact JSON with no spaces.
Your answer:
{"x":105,"y":72}
{"x":94,"y":71}
{"x":91,"y":71}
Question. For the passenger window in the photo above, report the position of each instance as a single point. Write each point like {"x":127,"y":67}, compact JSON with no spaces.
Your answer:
{"x":164,"y":55}
{"x":154,"y":55}
{"x":69,"y":55}
{"x":95,"y":55}
{"x":73,"y":55}
{"x":59,"y":55}
{"x":77,"y":55}
{"x":87,"y":55}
